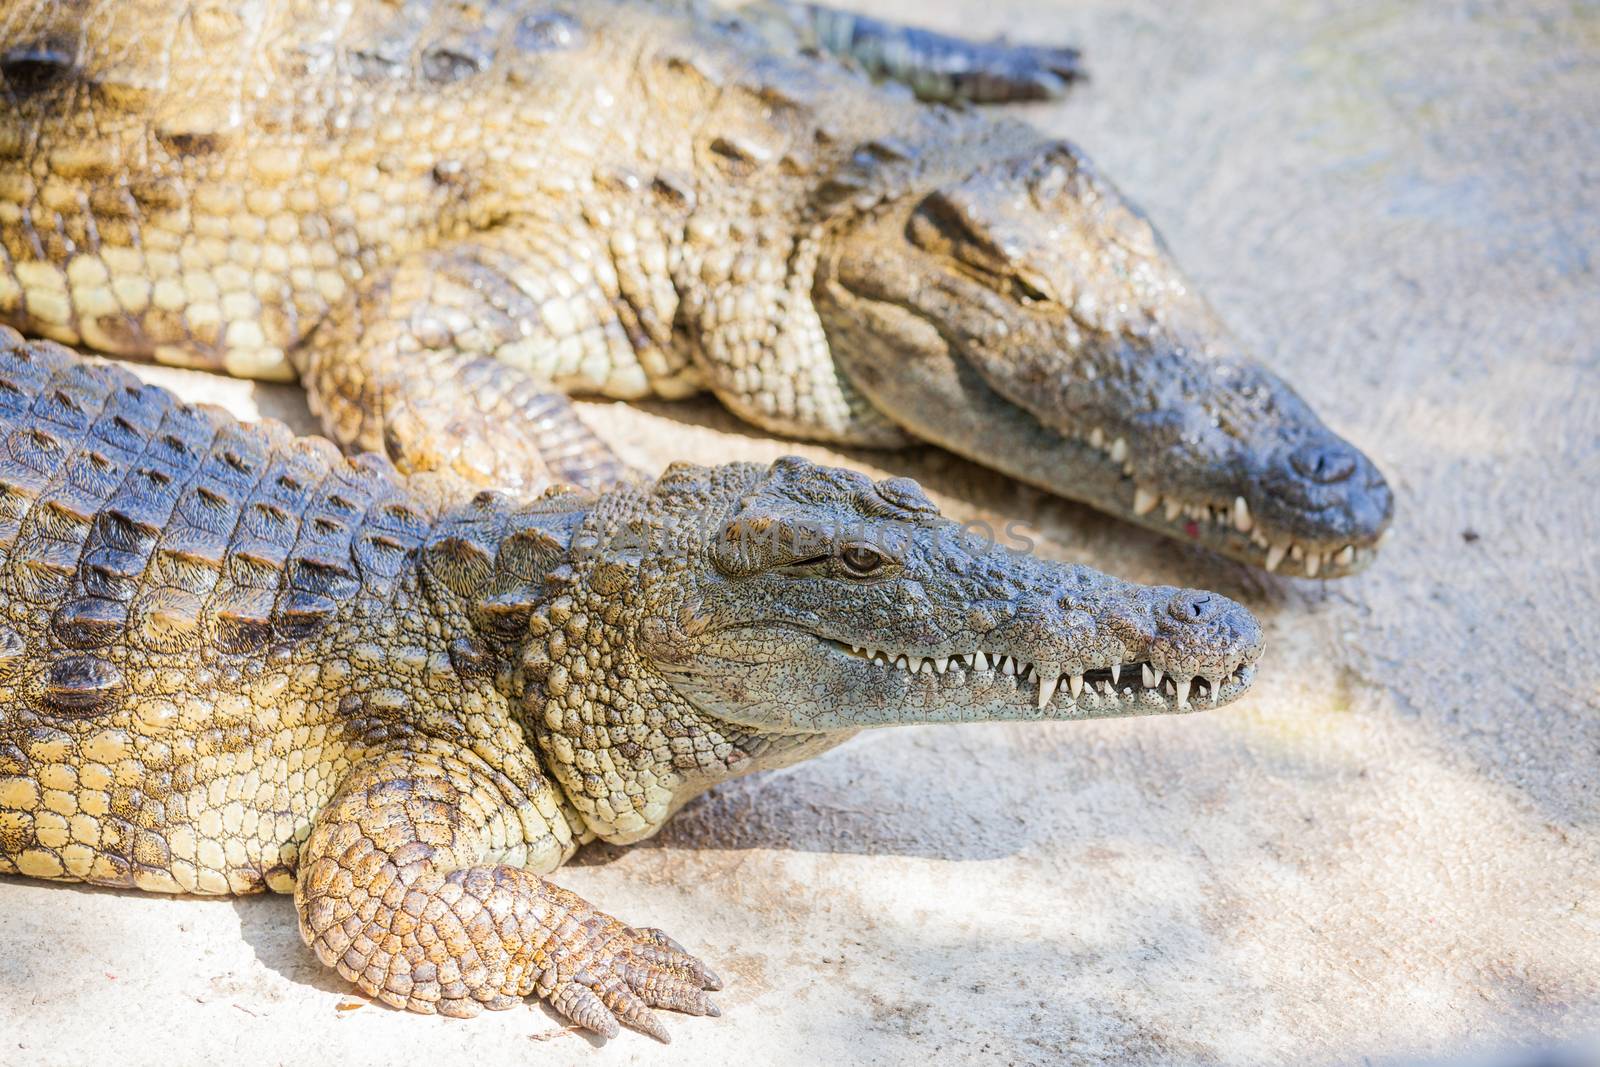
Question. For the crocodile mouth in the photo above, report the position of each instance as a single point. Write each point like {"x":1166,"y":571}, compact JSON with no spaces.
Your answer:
{"x":1128,"y":687}
{"x":1230,"y":527}
{"x":940,"y":392}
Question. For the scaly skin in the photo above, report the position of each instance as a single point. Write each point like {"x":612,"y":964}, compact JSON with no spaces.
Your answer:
{"x":408,"y":206}
{"x":231,"y":660}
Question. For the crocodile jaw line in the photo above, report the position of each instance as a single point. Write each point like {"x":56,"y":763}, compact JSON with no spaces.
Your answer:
{"x":1122,"y":687}
{"x":1229,"y":527}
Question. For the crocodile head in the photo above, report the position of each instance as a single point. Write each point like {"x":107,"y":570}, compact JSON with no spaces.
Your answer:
{"x":1025,"y":315}
{"x":741,"y":617}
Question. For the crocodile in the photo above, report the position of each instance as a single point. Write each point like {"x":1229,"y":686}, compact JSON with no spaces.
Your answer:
{"x":233,"y":660}
{"x":435,"y":214}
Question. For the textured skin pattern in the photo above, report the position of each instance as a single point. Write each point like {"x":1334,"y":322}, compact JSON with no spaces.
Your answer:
{"x":633,"y":199}
{"x":396,"y":895}
{"x":232,"y":660}
{"x":212,"y":633}
{"x":448,"y":319}
{"x":155,"y":554}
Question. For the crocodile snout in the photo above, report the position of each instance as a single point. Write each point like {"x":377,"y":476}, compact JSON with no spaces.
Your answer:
{"x":1202,"y":631}
{"x":1323,"y":502}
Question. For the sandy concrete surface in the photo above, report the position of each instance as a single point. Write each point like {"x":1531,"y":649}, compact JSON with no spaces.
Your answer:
{"x":1391,"y":850}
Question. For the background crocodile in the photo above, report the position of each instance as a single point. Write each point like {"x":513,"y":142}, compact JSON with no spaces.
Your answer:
{"x":424,"y":209}
{"x":232,"y":660}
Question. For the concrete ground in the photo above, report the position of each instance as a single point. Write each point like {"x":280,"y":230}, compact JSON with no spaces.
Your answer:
{"x":1391,"y":850}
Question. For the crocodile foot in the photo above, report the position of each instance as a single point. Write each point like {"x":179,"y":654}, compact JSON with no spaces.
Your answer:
{"x":620,"y":973}
{"x":394,"y":892}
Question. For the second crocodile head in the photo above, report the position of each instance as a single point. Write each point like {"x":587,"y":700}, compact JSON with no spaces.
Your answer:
{"x":1023,"y":314}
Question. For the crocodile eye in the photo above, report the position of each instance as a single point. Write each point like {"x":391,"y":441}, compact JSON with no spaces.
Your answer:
{"x":1033,"y":287}
{"x":861,"y":559}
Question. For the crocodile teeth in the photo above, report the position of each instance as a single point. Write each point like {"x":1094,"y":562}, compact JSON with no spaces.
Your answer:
{"x":1097,"y":437}
{"x":1241,"y":515}
{"x":1119,"y":450}
{"x":1051,"y":681}
{"x":1047,"y":689}
{"x":1313,"y":564}
{"x":1144,"y":500}
{"x":1345,"y":556}
{"x":1275,"y":556}
{"x":1174,"y":508}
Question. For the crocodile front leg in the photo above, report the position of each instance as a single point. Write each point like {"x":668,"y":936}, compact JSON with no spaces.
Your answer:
{"x":398,"y":890}
{"x":426,"y":361}
{"x":936,"y":66}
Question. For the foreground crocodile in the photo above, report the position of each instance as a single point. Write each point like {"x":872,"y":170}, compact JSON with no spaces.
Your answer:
{"x":431,"y":211}
{"x":231,"y":661}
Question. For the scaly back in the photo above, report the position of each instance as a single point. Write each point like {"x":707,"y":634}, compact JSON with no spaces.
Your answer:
{"x":138,"y":533}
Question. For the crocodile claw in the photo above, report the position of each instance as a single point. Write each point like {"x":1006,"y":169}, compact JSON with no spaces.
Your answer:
{"x":628,"y":974}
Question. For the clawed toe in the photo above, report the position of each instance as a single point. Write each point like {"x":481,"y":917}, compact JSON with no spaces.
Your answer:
{"x":630,"y":974}
{"x":663,"y":952}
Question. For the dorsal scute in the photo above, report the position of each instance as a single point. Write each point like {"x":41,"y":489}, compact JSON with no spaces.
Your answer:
{"x":133,"y":524}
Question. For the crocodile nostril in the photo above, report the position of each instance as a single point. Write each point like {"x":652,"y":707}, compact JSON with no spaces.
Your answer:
{"x":1194,"y":605}
{"x":1323,"y":463}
